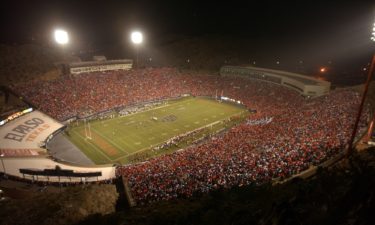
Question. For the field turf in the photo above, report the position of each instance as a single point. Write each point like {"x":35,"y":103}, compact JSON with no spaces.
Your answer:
{"x":114,"y":140}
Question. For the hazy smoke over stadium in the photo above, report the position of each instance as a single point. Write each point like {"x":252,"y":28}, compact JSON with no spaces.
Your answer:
{"x":312,"y":32}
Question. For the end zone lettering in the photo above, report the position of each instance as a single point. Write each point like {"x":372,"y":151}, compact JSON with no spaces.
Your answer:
{"x":36,"y":132}
{"x":22,"y":130}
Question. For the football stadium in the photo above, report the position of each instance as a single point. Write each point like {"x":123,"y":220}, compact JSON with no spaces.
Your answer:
{"x":258,"y":125}
{"x":219,"y":123}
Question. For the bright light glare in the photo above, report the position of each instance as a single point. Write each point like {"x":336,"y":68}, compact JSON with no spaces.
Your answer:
{"x":137,"y":37}
{"x":322,"y":69}
{"x":61,"y":37}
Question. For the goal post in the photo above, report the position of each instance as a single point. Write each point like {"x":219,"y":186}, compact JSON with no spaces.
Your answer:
{"x":87,"y":129}
{"x":89,"y":126}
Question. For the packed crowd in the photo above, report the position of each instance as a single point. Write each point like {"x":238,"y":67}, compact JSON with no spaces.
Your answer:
{"x":301,"y":133}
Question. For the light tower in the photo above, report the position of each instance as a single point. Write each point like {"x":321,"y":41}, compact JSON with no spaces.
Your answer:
{"x":137,"y":39}
{"x":369,"y":77}
{"x":62,"y":39}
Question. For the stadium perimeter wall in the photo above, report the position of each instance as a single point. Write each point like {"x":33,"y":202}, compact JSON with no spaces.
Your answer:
{"x":12,"y":166}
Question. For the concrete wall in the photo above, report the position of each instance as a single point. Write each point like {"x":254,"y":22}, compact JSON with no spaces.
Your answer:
{"x":12,"y":166}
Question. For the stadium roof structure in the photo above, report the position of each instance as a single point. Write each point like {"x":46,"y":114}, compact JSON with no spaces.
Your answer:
{"x":301,"y":78}
{"x":305,"y":85}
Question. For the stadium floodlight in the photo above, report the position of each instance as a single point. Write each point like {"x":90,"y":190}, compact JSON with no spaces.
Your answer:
{"x":137,"y":39}
{"x":61,"y":37}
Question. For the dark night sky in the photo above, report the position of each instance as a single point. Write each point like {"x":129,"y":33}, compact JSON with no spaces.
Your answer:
{"x":327,"y":29}
{"x":102,"y":21}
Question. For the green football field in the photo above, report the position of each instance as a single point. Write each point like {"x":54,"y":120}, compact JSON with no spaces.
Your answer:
{"x":117,"y":139}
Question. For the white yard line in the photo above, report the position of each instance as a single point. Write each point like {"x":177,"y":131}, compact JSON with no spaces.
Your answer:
{"x":211,"y":124}
{"x":110,"y":141}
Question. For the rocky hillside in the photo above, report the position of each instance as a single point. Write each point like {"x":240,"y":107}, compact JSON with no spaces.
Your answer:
{"x":68,"y":207}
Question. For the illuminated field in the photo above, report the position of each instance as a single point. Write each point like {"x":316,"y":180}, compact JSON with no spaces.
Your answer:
{"x":119,"y":139}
